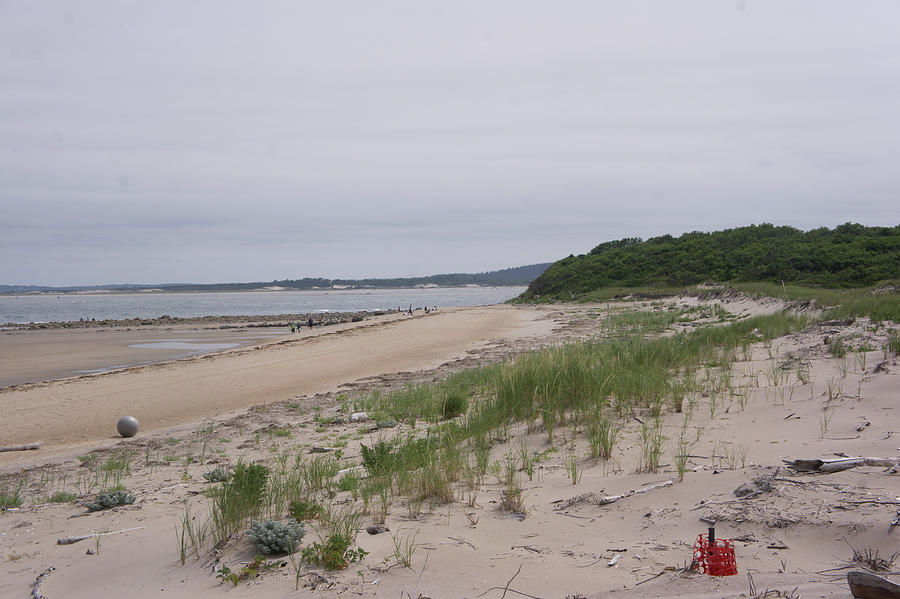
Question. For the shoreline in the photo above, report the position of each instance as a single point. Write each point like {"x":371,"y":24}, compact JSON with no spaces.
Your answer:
{"x":168,"y":393}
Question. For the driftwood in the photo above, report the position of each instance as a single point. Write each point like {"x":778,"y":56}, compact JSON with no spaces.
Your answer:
{"x":71,"y":540}
{"x":868,"y":586}
{"x":595,"y":499}
{"x":827,"y":466}
{"x":26,"y":447}
{"x":36,"y":585}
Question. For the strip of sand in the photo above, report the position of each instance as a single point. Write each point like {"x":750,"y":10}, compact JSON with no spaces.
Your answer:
{"x":85,"y":409}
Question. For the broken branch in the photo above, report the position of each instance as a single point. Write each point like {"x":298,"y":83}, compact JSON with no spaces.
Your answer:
{"x":71,"y":540}
{"x":26,"y":447}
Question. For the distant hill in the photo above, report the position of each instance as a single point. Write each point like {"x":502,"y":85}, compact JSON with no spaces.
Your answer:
{"x":850,"y":255}
{"x":520,"y":275}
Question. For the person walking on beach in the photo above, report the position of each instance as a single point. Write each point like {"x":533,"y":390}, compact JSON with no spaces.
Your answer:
{"x":292,"y":328}
{"x":310,"y":322}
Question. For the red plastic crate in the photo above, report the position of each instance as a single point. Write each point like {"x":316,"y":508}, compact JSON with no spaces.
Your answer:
{"x":715,"y":560}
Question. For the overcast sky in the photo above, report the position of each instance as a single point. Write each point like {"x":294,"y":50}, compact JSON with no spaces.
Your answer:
{"x":212,"y":141}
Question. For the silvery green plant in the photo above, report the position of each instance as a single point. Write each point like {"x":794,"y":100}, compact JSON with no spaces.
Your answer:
{"x":219,"y":475}
{"x":107,"y":500}
{"x":272,"y":536}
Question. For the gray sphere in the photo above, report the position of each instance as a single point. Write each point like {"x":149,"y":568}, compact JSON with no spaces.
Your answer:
{"x":127,"y":426}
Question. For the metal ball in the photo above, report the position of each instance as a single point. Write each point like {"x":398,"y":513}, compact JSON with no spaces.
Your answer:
{"x":127,"y":426}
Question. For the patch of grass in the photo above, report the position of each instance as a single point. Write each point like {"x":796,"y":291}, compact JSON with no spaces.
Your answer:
{"x":238,"y":500}
{"x":62,"y":497}
{"x":11,"y":497}
{"x":404,"y":548}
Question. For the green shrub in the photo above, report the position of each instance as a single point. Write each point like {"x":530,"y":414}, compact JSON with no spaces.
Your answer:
{"x":304,"y":509}
{"x":272,"y":536}
{"x":334,"y":553}
{"x":108,"y":500}
{"x":378,"y":459}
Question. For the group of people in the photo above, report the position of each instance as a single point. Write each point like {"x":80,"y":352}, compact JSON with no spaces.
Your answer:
{"x":295,"y":328}
{"x":410,"y":311}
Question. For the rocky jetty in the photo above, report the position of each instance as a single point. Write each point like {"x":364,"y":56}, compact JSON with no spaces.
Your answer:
{"x":222,"y":322}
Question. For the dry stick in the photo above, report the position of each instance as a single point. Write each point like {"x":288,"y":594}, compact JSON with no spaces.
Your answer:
{"x":607,"y":499}
{"x":36,"y":585}
{"x":71,"y":540}
{"x":26,"y":447}
{"x":509,"y":582}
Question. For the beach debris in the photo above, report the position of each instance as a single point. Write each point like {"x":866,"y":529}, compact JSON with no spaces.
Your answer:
{"x":615,"y":560}
{"x":828,"y":466}
{"x":836,"y":323}
{"x":321,"y":449}
{"x":771,"y":593}
{"x":869,"y":586}
{"x":531,"y":548}
{"x":376,"y":529}
{"x":36,"y":585}
{"x":71,"y":540}
{"x":755,"y":487}
{"x":359,"y":417}
{"x":871,"y":560}
{"x":25,"y":447}
{"x":863,"y":426}
{"x":594,"y":499}
{"x":128,"y":426}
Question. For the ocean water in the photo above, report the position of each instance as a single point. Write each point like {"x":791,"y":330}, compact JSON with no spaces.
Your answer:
{"x":103,"y":306}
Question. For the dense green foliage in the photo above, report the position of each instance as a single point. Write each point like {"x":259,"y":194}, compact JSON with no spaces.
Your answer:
{"x":850,"y":255}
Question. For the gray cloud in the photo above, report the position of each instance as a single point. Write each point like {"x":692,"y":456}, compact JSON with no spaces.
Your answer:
{"x":213,"y":141}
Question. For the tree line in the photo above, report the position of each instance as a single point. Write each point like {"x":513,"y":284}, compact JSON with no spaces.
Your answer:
{"x":850,"y":255}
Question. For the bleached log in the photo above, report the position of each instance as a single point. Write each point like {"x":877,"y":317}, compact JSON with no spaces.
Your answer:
{"x":26,"y":447}
{"x":828,"y":466}
{"x":613,"y":498}
{"x":36,"y":585}
{"x":607,"y":499}
{"x":71,"y":540}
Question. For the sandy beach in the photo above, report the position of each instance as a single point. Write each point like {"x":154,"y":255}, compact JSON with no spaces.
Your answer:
{"x":283,"y":395}
{"x":83,"y":409}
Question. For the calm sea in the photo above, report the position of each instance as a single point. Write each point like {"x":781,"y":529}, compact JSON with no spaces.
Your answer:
{"x":102,"y":306}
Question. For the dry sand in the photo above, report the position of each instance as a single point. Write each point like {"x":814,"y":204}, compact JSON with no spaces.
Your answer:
{"x":795,"y":535}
